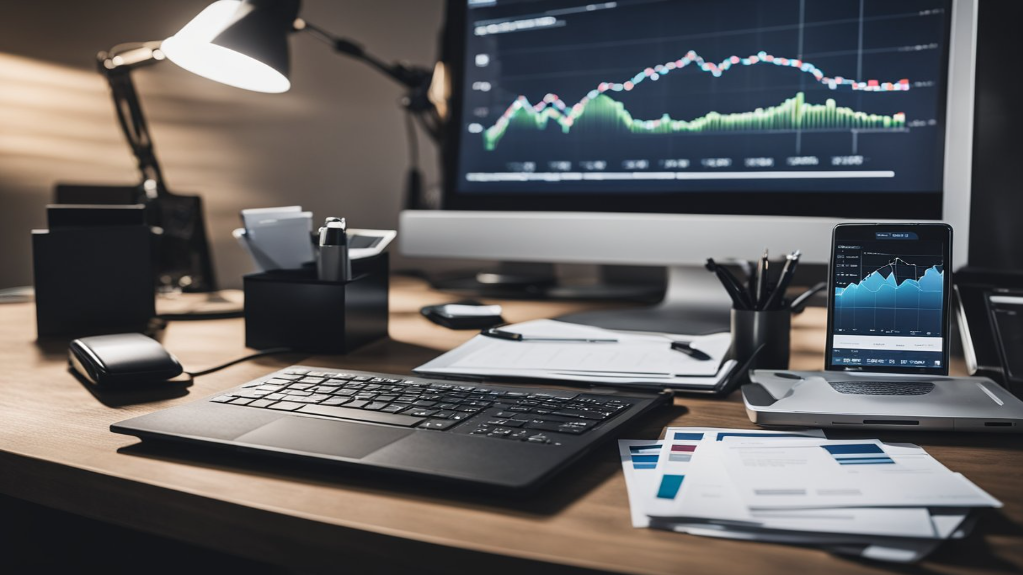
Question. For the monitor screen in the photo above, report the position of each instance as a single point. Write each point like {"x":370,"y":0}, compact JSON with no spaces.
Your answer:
{"x":888,"y":310}
{"x":788,"y":107}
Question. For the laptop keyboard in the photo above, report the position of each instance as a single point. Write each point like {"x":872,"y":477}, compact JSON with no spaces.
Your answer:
{"x":527,"y":414}
{"x":882,"y":387}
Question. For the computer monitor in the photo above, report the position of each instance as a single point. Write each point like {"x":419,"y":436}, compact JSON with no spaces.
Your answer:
{"x":663,"y":132}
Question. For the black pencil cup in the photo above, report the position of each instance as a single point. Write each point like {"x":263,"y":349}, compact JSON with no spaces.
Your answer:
{"x":294,"y":309}
{"x":764,"y":334}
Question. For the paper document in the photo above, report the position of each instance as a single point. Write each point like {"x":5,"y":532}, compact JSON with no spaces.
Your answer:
{"x":278,"y":238}
{"x":698,"y":481}
{"x":632,"y":358}
{"x":844,"y":473}
{"x":639,"y":463}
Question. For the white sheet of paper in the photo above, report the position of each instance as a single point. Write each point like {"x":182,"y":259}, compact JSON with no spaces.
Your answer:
{"x":280,"y":243}
{"x":707,"y":492}
{"x":634,"y":359}
{"x":639,"y":464}
{"x":876,"y":548}
{"x":681,"y":445}
{"x":843,"y":473}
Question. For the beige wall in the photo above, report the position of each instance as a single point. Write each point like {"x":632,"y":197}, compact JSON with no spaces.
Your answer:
{"x":335,"y":143}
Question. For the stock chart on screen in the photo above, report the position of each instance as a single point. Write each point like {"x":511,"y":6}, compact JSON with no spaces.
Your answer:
{"x":670,"y":95}
{"x":888,"y":302}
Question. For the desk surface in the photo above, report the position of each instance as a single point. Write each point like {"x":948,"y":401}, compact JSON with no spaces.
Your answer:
{"x":56,"y":450}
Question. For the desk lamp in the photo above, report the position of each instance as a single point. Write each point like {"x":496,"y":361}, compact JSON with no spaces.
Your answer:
{"x":242,"y":44}
{"x":245,"y":44}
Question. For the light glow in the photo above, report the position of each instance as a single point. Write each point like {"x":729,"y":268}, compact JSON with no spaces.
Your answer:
{"x":192,"y":49}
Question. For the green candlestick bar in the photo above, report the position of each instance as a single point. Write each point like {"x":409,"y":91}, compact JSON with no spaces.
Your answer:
{"x":603,"y":113}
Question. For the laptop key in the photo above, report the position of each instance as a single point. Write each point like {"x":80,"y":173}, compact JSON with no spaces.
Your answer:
{"x":286,"y":405}
{"x":438,"y":424}
{"x":356,"y":403}
{"x":261,"y":403}
{"x":375,"y":405}
{"x":361,"y":415}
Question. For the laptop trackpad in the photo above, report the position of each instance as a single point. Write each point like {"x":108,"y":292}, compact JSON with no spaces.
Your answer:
{"x":318,"y":436}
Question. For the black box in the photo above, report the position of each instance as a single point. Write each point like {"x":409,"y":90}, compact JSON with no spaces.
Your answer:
{"x":291,"y":308}
{"x":93,"y":271}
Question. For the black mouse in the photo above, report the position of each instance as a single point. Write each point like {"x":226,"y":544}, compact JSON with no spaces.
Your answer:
{"x":122,"y":360}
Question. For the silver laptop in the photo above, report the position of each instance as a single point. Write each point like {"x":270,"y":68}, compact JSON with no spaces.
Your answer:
{"x":886,"y":361}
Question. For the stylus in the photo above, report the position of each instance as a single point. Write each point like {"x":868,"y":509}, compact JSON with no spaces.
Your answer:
{"x":789,"y":270}
{"x":762,"y":282}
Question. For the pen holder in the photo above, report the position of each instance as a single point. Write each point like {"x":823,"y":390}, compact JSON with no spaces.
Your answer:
{"x":292,"y":308}
{"x":752,"y":330}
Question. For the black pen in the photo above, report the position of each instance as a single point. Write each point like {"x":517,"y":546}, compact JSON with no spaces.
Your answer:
{"x":513,"y":336}
{"x":731,"y":284}
{"x":761,"y":297}
{"x":791,"y":262}
{"x":689,"y":350}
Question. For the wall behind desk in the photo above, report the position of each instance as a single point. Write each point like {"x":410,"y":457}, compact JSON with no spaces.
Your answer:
{"x":335,"y":143}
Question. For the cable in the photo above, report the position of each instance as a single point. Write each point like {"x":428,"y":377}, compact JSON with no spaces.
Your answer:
{"x":271,"y":351}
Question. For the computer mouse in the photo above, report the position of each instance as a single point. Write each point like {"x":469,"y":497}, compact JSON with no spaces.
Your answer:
{"x":122,"y":360}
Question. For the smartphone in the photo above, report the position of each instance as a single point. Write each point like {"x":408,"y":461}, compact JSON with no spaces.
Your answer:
{"x":888,"y":298}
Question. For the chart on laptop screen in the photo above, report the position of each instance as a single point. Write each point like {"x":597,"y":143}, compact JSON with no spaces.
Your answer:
{"x":733,"y":94}
{"x":888,"y":302}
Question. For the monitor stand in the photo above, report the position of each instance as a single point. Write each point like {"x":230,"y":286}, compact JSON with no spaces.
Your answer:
{"x":694,"y":303}
{"x":517,"y":280}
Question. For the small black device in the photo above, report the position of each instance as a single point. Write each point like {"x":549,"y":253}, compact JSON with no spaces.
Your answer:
{"x":989,"y":306}
{"x":332,"y":261}
{"x":888,"y":301}
{"x":122,"y":360}
{"x":502,"y":437}
{"x":468,"y":314}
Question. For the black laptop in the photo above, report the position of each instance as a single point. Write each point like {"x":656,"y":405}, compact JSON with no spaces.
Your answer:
{"x":494,"y":436}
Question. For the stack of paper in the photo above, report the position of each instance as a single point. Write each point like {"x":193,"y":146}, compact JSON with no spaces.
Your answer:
{"x":860,"y":497}
{"x":635,"y":358}
{"x":277,"y":238}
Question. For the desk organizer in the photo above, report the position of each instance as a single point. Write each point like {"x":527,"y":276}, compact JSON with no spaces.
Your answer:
{"x":292,"y":308}
{"x":93,"y":271}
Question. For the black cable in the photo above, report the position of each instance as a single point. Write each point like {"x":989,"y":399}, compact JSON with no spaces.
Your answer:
{"x":271,"y":351}
{"x":413,"y":140}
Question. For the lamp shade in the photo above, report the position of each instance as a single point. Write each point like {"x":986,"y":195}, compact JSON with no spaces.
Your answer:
{"x":238,"y":43}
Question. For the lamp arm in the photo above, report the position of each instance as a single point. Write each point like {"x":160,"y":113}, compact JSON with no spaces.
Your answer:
{"x":116,"y":66}
{"x":415,"y":79}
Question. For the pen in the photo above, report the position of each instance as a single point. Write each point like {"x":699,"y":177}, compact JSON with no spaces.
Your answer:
{"x":791,"y":262}
{"x":333,"y":264}
{"x":731,"y":284}
{"x":761,"y":297}
{"x":512,"y":336}
{"x":689,"y":350}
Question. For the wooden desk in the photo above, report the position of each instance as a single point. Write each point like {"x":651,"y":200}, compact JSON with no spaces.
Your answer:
{"x":55,"y":450}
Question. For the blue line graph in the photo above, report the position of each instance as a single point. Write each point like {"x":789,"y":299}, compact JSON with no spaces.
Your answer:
{"x":880,"y":304}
